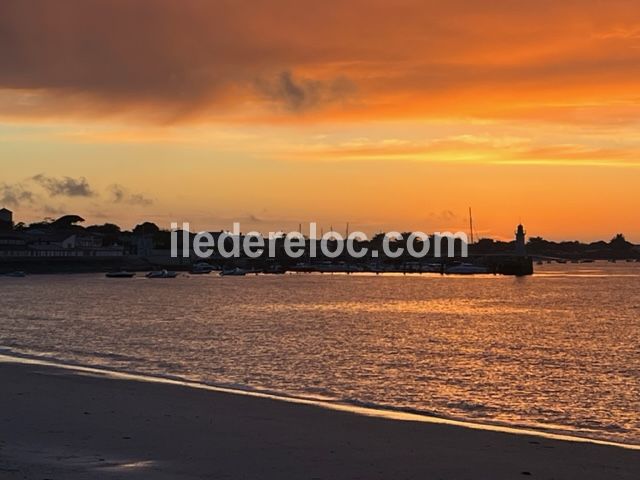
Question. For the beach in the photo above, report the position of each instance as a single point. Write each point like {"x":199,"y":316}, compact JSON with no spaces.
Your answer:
{"x":66,"y":423}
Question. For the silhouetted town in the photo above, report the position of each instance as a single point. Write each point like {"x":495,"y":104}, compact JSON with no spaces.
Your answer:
{"x":64,"y":245}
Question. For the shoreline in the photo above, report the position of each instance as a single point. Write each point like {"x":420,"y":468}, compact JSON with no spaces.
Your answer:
{"x":389,"y":413}
{"x":76,"y":423}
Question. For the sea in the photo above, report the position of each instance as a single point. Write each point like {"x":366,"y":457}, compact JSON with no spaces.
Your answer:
{"x":557,"y":352}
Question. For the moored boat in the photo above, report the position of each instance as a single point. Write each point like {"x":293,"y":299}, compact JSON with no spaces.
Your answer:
{"x":120,"y":274}
{"x":235,"y":272}
{"x":162,"y":274}
{"x":201,"y":268}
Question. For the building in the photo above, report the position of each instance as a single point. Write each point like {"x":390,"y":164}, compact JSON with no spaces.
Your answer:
{"x":17,"y":245}
{"x":521,"y":249}
{"x":13,"y":245}
{"x":6,"y":219}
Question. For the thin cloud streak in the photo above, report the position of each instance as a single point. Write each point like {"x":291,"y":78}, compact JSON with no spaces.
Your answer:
{"x":472,"y":149}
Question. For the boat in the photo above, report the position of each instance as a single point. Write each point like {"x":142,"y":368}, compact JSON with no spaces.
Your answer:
{"x":466,"y":269}
{"x":162,"y":274}
{"x":539,"y":262}
{"x":201,"y":268}
{"x":235,"y":272}
{"x":17,"y":274}
{"x":120,"y":274}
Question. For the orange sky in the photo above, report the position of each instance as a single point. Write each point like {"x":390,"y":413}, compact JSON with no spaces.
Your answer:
{"x":384,"y":114}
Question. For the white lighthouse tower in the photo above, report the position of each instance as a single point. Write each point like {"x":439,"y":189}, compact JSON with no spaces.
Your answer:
{"x":521,"y":249}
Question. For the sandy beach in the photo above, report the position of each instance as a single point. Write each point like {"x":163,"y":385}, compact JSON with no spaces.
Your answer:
{"x":60,"y":423}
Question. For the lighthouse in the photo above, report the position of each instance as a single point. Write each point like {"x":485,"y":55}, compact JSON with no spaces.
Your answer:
{"x":521,"y":250}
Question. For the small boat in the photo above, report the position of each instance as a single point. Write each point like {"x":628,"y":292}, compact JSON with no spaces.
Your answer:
{"x":162,"y":274}
{"x":235,"y":272}
{"x":201,"y":268}
{"x":466,"y":269}
{"x":120,"y":274}
{"x":18,"y":274}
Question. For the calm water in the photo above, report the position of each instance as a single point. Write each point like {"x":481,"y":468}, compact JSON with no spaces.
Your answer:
{"x":557,"y":351}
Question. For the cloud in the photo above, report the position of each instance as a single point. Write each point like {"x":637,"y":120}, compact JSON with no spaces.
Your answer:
{"x":120,"y":194}
{"x":474,"y":149}
{"x":302,"y":94}
{"x":64,"y":186}
{"x":15,"y":195}
{"x":193,"y":60}
{"x":139,"y":199}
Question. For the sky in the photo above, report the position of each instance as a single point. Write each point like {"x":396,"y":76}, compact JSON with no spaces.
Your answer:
{"x":387,"y":115}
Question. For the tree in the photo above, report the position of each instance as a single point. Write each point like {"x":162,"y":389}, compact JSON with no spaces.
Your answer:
{"x":106,"y":229}
{"x":66,"y":222}
{"x":146,"y":228}
{"x":43,"y":225}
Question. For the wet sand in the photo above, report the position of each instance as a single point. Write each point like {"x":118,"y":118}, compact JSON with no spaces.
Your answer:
{"x":57,"y":423}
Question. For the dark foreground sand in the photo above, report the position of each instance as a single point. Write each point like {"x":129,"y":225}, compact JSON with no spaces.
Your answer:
{"x":60,"y":424}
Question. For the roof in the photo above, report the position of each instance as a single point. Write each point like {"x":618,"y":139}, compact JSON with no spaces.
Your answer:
{"x":5,"y":210}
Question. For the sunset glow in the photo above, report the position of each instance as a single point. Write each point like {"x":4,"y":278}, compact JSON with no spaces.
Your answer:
{"x":387,"y":115}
